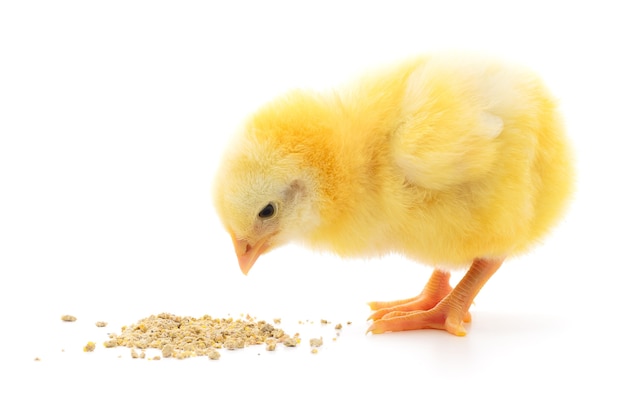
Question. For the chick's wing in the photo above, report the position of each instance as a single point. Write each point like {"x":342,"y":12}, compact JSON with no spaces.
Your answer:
{"x":448,"y":129}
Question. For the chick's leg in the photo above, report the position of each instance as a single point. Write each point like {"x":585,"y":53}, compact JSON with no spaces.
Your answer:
{"x":450,"y":312}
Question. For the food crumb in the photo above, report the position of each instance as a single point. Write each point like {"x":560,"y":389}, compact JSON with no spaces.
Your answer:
{"x":133,"y":353}
{"x":290,"y":342}
{"x":324,"y":321}
{"x":37,"y":359}
{"x":110,"y":343}
{"x":101,"y":324}
{"x":214,"y":354}
{"x":270,"y":345}
{"x":348,"y":322}
{"x":89,"y":347}
{"x":277,"y":320}
{"x":230,"y":344}
{"x":338,"y":326}
{"x":316,"y":342}
{"x":156,"y":357}
{"x":68,"y":318}
{"x":167,"y":351}
{"x":314,"y":350}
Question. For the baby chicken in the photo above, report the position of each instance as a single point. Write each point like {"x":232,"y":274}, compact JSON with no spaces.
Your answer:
{"x":451,"y":160}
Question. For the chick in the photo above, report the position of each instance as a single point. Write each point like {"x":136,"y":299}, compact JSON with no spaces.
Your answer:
{"x":452,"y":160}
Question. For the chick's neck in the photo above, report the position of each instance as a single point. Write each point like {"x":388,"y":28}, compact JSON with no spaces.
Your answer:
{"x":348,"y":184}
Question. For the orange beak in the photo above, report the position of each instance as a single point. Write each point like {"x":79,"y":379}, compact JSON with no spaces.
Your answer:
{"x":248,"y":254}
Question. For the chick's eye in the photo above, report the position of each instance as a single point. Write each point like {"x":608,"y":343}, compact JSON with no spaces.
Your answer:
{"x":267,"y":211}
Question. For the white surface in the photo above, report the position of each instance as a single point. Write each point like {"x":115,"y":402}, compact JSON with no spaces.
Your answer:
{"x":112,"y":116}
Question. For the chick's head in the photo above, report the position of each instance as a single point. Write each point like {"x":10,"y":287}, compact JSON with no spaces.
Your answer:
{"x":264,"y":196}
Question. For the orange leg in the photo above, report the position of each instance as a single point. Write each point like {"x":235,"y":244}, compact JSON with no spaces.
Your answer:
{"x":448,"y":313}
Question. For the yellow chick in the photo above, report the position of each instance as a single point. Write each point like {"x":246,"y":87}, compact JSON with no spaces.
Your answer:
{"x":451,"y":160}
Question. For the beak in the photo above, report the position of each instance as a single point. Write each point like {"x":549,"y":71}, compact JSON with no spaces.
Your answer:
{"x":248,"y":254}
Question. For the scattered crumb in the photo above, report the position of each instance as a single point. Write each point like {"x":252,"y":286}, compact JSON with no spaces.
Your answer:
{"x":314,"y":350}
{"x":110,"y":343}
{"x":68,"y":318}
{"x":89,"y":347}
{"x":334,"y":338}
{"x":156,"y":358}
{"x":270,"y":345}
{"x":133,"y":353}
{"x":338,"y":326}
{"x":324,"y":321}
{"x":316,"y":342}
{"x":348,"y":322}
{"x":101,"y":324}
{"x":277,"y":320}
{"x":290,"y":342}
{"x":37,"y":359}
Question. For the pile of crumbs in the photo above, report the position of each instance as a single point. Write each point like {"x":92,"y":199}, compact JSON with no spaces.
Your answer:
{"x":184,"y":337}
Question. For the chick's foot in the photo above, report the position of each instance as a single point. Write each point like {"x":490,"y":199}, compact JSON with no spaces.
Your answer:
{"x":448,"y":313}
{"x":437,"y":287}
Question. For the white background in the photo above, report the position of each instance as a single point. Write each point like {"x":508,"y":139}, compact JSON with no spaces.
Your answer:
{"x":112,"y":117}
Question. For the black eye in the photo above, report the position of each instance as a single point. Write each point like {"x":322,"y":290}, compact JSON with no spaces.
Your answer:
{"x":267,"y":211}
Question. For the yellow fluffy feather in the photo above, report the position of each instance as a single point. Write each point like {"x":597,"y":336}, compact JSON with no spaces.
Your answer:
{"x":450,"y":160}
